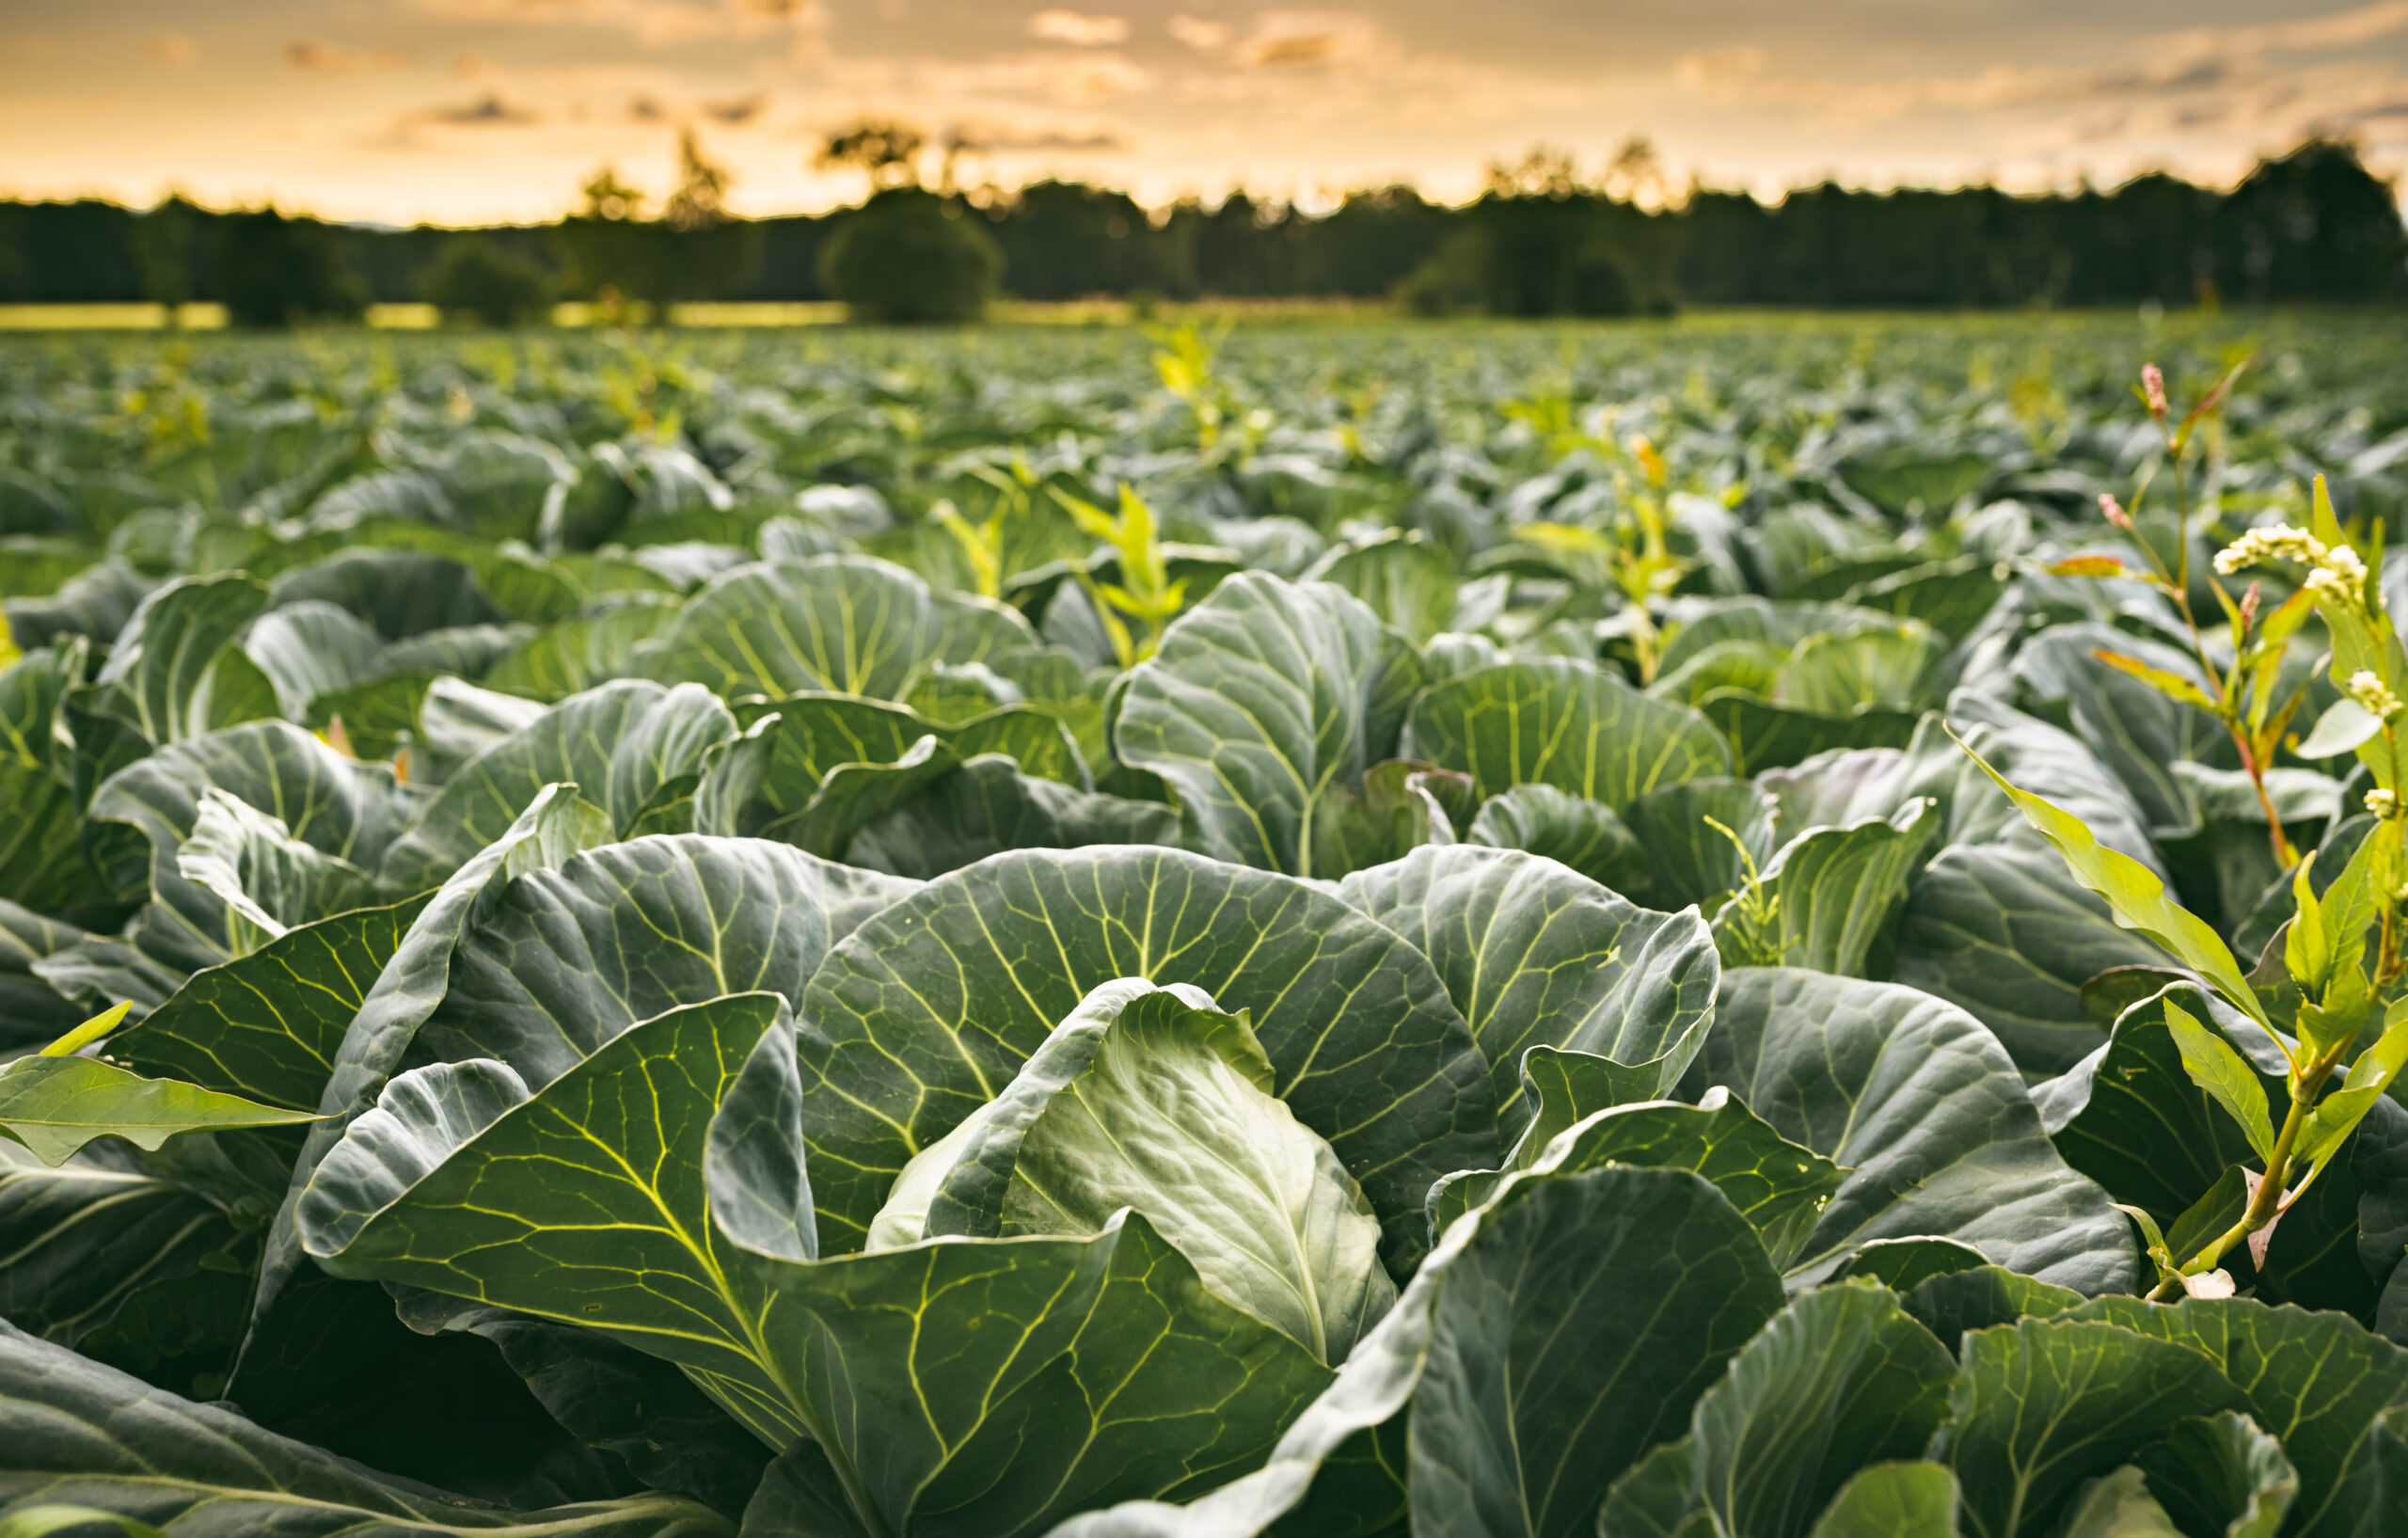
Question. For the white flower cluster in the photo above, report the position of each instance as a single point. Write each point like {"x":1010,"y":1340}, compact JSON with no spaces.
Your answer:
{"x":2340,"y":573}
{"x":2337,"y":570}
{"x":2372,"y":695}
{"x":2383,"y":803}
{"x":2280,"y":543}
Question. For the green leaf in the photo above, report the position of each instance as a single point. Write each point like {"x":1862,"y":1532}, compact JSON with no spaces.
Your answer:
{"x":1746,"y":667}
{"x":1401,"y":806}
{"x":1261,"y":704}
{"x":267,"y":1025}
{"x":2132,"y":1117}
{"x":1894,"y":1500}
{"x":1083,"y":1372}
{"x":2343,"y":726}
{"x":82,"y":1435}
{"x":2216,"y":1211}
{"x":1408,"y":582}
{"x":55,"y":1106}
{"x":1764,"y":735}
{"x":619,"y":1136}
{"x":2221,"y":1474}
{"x":33,"y":1010}
{"x":1950,"y":1305}
{"x":1535,"y":954}
{"x":1149,"y":1097}
{"x":1902,"y":1264}
{"x":1952,"y":597}
{"x":1561,"y":723}
{"x":554,"y":827}
{"x":988,"y":806}
{"x":924,"y":1012}
{"x":1530,"y":1383}
{"x":95,"y":1029}
{"x":1834,"y":890}
{"x":1923,"y":1109}
{"x":79,"y":1241}
{"x":1779,"y":1187}
{"x":561,"y":960}
{"x":311,"y":648}
{"x":767,"y":782}
{"x":1889,"y":667}
{"x":42,"y":865}
{"x":1687,"y":860}
{"x":336,"y":806}
{"x":1780,"y":624}
{"x":578,"y":654}
{"x":836,"y":623}
{"x":2137,"y":731}
{"x":2042,"y":1405}
{"x":2009,"y":936}
{"x":2136,"y":896}
{"x":37,"y":1521}
{"x":2317,"y":1382}
{"x":163,"y":672}
{"x":2117,"y":1505}
{"x":655,"y":1193}
{"x":2231,"y":1083}
{"x":1584,"y":834}
{"x":2172,"y":684}
{"x":620,"y":743}
{"x":1840,"y":1379}
{"x":268,"y":879}
{"x":401,"y":593}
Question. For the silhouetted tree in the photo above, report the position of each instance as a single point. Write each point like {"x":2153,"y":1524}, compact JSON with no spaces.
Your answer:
{"x":607,"y":248}
{"x":712,"y":253}
{"x":163,"y":249}
{"x":886,"y":149}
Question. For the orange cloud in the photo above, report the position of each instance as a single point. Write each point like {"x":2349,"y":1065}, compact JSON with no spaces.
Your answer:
{"x":315,"y":57}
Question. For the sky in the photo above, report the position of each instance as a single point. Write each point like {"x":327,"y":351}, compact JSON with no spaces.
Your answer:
{"x":481,"y":111}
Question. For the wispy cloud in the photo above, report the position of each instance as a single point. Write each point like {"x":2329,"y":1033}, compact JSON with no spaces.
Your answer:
{"x":737,"y":111}
{"x":170,"y":48}
{"x":1010,"y":141}
{"x":314,"y":58}
{"x":487,"y":111}
{"x":654,"y":23}
{"x":1078,"y":29}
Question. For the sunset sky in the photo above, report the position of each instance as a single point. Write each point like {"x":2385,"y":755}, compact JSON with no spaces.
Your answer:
{"x":464,"y":111}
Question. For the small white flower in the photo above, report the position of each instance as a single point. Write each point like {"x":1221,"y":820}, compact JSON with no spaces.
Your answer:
{"x":2280,"y":543}
{"x":2383,"y":803}
{"x":2345,"y":571}
{"x":2371,"y":695}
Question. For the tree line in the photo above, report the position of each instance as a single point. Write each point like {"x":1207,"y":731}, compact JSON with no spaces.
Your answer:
{"x":2311,"y":226}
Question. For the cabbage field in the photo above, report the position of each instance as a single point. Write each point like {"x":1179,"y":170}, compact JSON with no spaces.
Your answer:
{"x":1732,"y":928}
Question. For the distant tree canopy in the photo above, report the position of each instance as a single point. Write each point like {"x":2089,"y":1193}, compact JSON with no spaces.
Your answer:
{"x":2311,"y":226}
{"x":473,"y":280}
{"x":911,"y":257}
{"x":277,"y":270}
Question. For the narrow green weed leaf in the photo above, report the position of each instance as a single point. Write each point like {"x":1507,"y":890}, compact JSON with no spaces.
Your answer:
{"x":2137,"y":895}
{"x":2217,"y":1068}
{"x":55,"y":1106}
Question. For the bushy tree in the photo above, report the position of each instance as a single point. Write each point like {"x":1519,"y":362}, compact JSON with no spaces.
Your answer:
{"x":275,"y":271}
{"x":909,"y":257}
{"x":607,"y":246}
{"x":474,"y":280}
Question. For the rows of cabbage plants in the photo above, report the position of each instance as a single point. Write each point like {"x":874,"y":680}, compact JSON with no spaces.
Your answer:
{"x":1725,"y":931}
